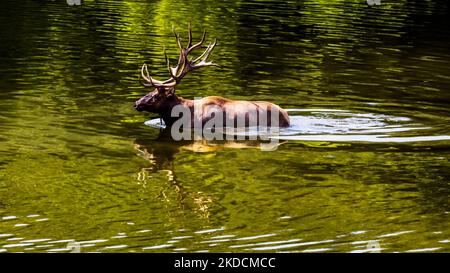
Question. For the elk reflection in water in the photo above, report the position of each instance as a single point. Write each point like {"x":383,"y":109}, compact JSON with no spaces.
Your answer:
{"x":160,"y":152}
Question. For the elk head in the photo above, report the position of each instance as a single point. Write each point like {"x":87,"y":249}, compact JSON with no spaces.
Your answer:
{"x":163,"y":97}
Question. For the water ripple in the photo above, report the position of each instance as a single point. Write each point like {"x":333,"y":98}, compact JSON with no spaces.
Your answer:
{"x":68,"y":131}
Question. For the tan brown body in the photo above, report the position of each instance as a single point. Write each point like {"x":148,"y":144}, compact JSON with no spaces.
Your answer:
{"x":250,"y":113}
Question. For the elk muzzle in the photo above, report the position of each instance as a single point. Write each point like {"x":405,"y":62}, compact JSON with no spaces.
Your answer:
{"x":139,"y":105}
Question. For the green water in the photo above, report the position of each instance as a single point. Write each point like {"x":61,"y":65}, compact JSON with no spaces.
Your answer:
{"x":366,"y":162}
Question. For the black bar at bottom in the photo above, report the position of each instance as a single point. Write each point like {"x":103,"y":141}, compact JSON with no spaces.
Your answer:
{"x":220,"y":262}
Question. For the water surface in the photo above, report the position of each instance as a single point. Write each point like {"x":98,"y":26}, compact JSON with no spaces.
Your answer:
{"x":366,"y":162}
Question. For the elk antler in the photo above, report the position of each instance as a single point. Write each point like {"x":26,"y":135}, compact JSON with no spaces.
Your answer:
{"x":184,"y":64}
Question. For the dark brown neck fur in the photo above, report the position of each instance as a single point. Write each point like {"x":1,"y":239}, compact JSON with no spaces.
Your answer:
{"x":171,"y":102}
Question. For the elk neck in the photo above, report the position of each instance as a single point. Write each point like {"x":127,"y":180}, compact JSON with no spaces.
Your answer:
{"x":170,"y":103}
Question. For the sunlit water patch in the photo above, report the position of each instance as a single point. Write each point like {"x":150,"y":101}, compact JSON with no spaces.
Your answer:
{"x":223,"y":238}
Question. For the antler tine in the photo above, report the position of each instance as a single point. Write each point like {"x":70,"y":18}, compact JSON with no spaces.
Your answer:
{"x":147,"y":79}
{"x":197,"y":45}
{"x":189,"y":35}
{"x":204,"y":57}
{"x":168,"y":63}
{"x":182,"y":58}
{"x":209,"y":49}
{"x":177,"y":38}
{"x":150,"y":81}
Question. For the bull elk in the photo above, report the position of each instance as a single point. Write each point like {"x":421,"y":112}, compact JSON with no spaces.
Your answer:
{"x":162,"y":99}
